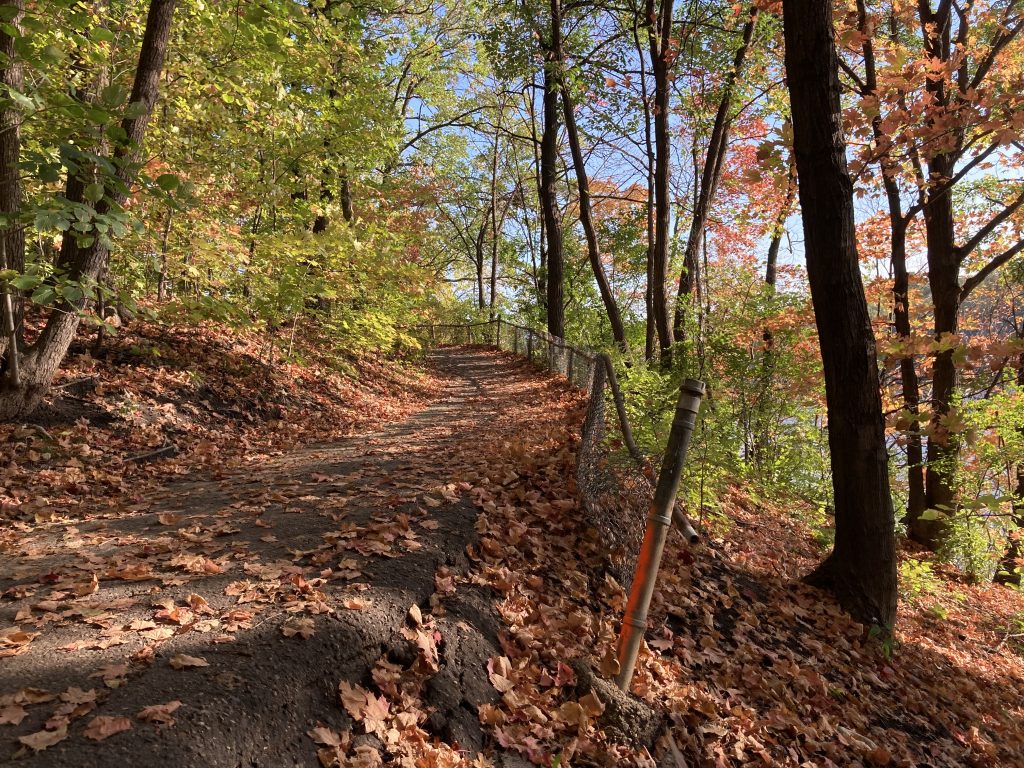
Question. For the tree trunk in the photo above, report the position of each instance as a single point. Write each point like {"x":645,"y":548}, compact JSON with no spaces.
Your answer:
{"x":540,"y":275}
{"x":478,"y":250}
{"x":861,"y":570}
{"x":908,"y":370}
{"x":660,"y":32}
{"x":13,"y":235}
{"x":650,"y":333}
{"x":496,"y":226}
{"x":944,"y":281}
{"x":587,"y":220}
{"x":346,"y":196}
{"x":709,"y":179}
{"x":555,"y":277}
{"x":85,"y":263}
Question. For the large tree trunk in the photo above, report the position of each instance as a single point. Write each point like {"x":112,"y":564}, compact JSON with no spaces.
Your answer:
{"x":84,"y":264}
{"x":660,"y":33}
{"x":587,"y":220}
{"x":861,"y":569}
{"x":10,"y":188}
{"x":549,"y":176}
{"x":710,"y":176}
{"x":944,"y":281}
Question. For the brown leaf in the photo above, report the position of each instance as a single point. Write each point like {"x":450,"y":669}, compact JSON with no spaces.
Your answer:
{"x":43,"y":739}
{"x":78,"y":696}
{"x":159,"y":713}
{"x":375,"y":714}
{"x":353,"y":698}
{"x":325,"y":736}
{"x":104,"y":726}
{"x":609,"y":664}
{"x":12,"y":714}
{"x":183,"y":661}
{"x":111,"y":672}
{"x":15,"y":640}
{"x":301,"y":627}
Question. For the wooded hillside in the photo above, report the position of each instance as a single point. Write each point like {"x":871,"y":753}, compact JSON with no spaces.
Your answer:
{"x":232,"y":231}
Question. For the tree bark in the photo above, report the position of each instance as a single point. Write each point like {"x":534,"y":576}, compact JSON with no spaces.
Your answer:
{"x":944,"y":281}
{"x":710,"y":176}
{"x":84,"y":264}
{"x":660,"y":32}
{"x":478,"y":258}
{"x":555,"y":277}
{"x":12,"y":76}
{"x":861,"y":570}
{"x":347,"y":211}
{"x":587,"y":220}
{"x":540,"y":275}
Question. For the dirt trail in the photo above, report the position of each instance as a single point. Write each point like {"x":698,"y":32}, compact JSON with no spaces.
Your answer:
{"x":341,"y":540}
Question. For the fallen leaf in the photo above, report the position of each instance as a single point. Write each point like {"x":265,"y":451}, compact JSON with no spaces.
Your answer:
{"x":43,"y":739}
{"x":183,"y":661}
{"x":12,"y":714}
{"x":325,"y":736}
{"x":301,"y":627}
{"x":159,"y":713}
{"x":104,"y":726}
{"x":78,"y":696}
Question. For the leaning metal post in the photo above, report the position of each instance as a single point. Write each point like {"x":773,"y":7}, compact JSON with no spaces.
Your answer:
{"x":634,"y":623}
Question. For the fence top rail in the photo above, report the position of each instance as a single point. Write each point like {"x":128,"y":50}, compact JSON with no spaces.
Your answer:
{"x":451,"y":325}
{"x":585,"y":354}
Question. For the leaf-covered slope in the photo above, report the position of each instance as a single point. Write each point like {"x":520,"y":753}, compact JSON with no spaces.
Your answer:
{"x":192,"y":396}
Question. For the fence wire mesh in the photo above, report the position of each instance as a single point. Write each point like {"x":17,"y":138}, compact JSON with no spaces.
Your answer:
{"x":615,"y":487}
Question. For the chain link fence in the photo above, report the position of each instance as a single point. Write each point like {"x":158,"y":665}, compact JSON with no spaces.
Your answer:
{"x":615,"y":487}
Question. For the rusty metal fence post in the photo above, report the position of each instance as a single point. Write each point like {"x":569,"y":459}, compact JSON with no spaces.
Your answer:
{"x":634,"y":623}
